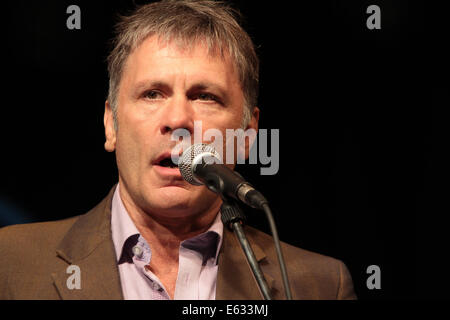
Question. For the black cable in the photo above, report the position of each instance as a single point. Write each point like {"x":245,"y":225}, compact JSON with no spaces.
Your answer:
{"x":273,"y":228}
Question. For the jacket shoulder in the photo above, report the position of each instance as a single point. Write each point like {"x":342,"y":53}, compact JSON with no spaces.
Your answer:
{"x":312,"y":275}
{"x":23,"y":236}
{"x":25,"y":242}
{"x":28,"y":248}
{"x":296,"y":253}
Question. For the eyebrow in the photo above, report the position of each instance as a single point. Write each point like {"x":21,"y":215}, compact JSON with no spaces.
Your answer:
{"x":209,"y":86}
{"x":145,"y":84}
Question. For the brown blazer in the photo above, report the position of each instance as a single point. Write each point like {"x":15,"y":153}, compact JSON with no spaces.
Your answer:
{"x":34,"y":260}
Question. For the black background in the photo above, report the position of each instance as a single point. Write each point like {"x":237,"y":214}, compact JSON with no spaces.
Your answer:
{"x":360,"y":113}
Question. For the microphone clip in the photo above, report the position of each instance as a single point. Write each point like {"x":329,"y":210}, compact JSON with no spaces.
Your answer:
{"x":231,"y":212}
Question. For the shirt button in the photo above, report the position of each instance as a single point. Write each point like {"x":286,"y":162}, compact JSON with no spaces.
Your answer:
{"x":137,"y":251}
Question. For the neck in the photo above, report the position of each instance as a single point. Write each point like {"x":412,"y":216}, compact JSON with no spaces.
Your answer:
{"x":165,"y":233}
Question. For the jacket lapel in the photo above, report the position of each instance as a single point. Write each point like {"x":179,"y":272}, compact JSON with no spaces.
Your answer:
{"x":89,"y":245}
{"x":235,"y":280}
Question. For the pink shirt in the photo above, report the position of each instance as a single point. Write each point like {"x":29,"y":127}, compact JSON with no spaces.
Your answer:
{"x":197,"y":272}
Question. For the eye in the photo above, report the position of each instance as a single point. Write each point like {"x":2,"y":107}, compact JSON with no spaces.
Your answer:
{"x":152,"y":94}
{"x":207,"y":97}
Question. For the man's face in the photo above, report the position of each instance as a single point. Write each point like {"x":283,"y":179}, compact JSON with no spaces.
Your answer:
{"x":164,"y":88}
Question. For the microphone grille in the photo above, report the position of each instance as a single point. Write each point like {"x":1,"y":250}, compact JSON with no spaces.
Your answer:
{"x":186,"y":161}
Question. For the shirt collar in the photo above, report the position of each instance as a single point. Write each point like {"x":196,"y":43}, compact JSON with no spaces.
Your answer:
{"x":123,"y":229}
{"x":207,"y":243}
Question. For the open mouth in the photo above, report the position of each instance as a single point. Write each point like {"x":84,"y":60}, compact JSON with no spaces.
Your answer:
{"x":168,"y":163}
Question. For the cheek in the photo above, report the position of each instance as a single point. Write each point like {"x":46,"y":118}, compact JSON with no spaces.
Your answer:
{"x":134,"y":126}
{"x":127,"y":152}
{"x":229,"y":119}
{"x":132,"y":144}
{"x":224,"y":141}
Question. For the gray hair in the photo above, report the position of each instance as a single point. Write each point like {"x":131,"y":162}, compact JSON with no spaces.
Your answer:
{"x":187,"y":22}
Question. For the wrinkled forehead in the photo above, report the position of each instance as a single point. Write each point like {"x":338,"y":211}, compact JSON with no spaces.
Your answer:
{"x":215,"y":49}
{"x":198,"y":46}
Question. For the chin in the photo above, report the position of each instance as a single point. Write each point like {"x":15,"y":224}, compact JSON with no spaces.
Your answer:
{"x":173,"y":197}
{"x":178,"y":201}
{"x":177,"y":192}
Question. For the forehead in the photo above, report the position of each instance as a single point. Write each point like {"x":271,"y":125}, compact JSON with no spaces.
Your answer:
{"x":154,"y":55}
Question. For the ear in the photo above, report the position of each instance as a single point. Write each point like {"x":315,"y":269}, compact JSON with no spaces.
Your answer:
{"x":110,"y":131}
{"x":252,"y":125}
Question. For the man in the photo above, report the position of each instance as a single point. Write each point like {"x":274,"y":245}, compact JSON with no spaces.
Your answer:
{"x":155,"y":236}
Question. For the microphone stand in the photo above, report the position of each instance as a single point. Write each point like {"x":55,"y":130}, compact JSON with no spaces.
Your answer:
{"x":233,"y":217}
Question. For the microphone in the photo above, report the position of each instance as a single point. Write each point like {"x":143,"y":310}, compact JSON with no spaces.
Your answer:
{"x":201,"y":164}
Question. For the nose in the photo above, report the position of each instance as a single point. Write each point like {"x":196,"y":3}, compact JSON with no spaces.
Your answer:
{"x":177,"y":115}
